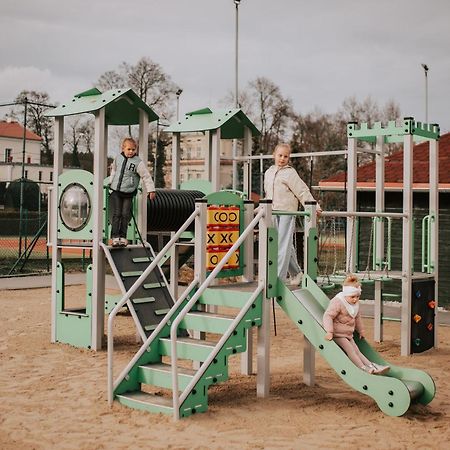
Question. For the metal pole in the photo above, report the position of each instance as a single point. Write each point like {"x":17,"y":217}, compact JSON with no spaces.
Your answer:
{"x":22,"y":179}
{"x":426,"y":68}
{"x":236,"y":91}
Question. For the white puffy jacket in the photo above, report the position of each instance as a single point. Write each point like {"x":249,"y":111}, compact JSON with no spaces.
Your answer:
{"x":285,"y":188}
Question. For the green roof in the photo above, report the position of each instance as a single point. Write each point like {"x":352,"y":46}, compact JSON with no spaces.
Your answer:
{"x":231,"y":123}
{"x":121,"y":106}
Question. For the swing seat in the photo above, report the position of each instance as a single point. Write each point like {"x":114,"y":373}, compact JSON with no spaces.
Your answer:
{"x":327,"y":287}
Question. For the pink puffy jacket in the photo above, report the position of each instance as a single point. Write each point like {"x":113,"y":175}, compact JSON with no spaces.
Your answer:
{"x":338,"y":321}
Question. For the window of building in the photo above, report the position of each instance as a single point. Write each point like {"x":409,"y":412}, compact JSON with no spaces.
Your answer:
{"x":40,"y":175}
{"x":28,"y":159}
{"x":26,"y":173}
{"x":51,"y":176}
{"x":8,"y":157}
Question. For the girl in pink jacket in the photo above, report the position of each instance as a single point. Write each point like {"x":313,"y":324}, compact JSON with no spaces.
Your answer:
{"x":342,"y":318}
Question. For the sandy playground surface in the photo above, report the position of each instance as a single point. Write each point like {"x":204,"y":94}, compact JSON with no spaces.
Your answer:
{"x":54,"y":396}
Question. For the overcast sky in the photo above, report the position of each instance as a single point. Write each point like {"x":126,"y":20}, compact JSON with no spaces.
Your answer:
{"x":318,"y":52}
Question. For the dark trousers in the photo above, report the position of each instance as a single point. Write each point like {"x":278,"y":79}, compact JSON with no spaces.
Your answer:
{"x":121,"y":213}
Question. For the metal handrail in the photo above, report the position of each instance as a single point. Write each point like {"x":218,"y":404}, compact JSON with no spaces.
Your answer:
{"x":291,"y":213}
{"x":112,"y":386}
{"x":133,"y":289}
{"x":192,"y":301}
{"x":362,"y":214}
{"x":216,"y":350}
{"x":426,"y":243}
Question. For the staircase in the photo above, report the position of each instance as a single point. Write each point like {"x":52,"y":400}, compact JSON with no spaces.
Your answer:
{"x":152,"y":300}
{"x":142,"y":385}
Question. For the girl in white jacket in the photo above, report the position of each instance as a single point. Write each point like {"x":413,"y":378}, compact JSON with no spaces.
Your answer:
{"x":286,"y":189}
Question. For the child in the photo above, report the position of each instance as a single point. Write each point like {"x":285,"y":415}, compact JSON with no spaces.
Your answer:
{"x":126,"y":171}
{"x":341,"y":319}
{"x":285,"y":188}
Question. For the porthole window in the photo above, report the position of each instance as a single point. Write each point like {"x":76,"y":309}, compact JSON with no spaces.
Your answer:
{"x":75,"y":207}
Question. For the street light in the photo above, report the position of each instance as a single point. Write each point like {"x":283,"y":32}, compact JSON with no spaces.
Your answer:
{"x":178,"y":93}
{"x":236,"y":89}
{"x":426,"y":68}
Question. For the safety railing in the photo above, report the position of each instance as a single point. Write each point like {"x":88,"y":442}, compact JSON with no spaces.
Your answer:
{"x":127,"y":296}
{"x":178,"y":400}
{"x":427,"y":264}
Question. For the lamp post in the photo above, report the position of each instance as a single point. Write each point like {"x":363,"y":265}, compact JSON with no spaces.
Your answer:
{"x":178,"y":93}
{"x":426,"y":68}
{"x":236,"y":89}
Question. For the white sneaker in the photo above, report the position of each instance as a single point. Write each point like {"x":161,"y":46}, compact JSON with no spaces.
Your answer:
{"x":123,"y":242}
{"x":368,"y":369}
{"x":379,"y":369}
{"x":115,"y":242}
{"x":296,"y":281}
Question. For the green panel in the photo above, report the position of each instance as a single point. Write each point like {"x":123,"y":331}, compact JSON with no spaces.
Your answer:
{"x":222,"y":297}
{"x":72,"y":328}
{"x":198,"y":351}
{"x":208,"y":323}
{"x":85,"y":179}
{"x":111,"y":301}
{"x":231,"y":122}
{"x":391,"y":132}
{"x":157,"y":375}
{"x":312,"y":261}
{"x":391,"y":394}
{"x":140,"y":402}
{"x":272,"y":262}
{"x":122,"y":106}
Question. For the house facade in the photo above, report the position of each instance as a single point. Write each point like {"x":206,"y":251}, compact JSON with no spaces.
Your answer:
{"x":14,"y":158}
{"x":192,"y":163}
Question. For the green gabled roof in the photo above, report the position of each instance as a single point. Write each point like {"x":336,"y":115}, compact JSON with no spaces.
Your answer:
{"x":121,"y":106}
{"x":231,"y":123}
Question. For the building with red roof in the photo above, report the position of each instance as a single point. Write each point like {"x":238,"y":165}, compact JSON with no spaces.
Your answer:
{"x":14,"y":157}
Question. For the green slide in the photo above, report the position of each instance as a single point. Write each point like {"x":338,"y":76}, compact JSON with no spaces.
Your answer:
{"x":393,"y":392}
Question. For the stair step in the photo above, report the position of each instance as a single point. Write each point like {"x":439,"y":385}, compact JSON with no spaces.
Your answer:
{"x":144,"y":300}
{"x":161,"y":375}
{"x":150,"y":327}
{"x":209,"y":322}
{"x":153,"y":285}
{"x":133,"y":273}
{"x":224,"y":297}
{"x":146,"y":402}
{"x":188,"y":348}
{"x":162,"y":312}
{"x":142,"y":259}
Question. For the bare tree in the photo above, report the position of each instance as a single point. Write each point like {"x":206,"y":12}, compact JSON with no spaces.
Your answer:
{"x":37,"y":104}
{"x":148,"y":80}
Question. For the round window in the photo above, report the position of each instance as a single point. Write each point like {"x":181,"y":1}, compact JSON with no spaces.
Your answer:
{"x":75,"y":207}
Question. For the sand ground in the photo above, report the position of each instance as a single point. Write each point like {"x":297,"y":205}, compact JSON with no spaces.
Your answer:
{"x":53,"y":396}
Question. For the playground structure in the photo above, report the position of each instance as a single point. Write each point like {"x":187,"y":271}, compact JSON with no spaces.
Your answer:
{"x":176,"y":327}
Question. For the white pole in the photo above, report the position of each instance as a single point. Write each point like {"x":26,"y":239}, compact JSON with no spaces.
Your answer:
{"x":236,"y":91}
{"x":263,"y":350}
{"x":434,"y":212}
{"x":56,"y":251}
{"x":379,"y":237}
{"x":98,"y":257}
{"x":405,"y":339}
{"x":352,"y":164}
